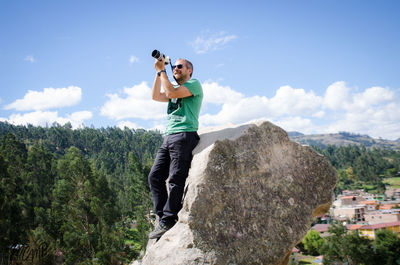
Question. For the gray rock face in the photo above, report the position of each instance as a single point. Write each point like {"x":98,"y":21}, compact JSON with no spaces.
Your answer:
{"x":251,"y":196}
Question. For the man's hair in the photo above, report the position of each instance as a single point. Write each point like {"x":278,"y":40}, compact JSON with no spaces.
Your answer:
{"x":189,"y":65}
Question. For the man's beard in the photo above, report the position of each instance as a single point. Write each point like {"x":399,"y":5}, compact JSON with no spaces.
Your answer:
{"x":180,"y":79}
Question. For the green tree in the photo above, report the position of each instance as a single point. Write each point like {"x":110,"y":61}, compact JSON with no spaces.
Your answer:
{"x":138,"y":206}
{"x":350,"y":248}
{"x":13,"y":210}
{"x":387,"y":247}
{"x":40,"y":181}
{"x":84,"y":212}
{"x":313,"y":242}
{"x":332,"y":249}
{"x":358,"y":250}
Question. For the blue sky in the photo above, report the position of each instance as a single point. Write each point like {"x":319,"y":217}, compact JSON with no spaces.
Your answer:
{"x":318,"y":66}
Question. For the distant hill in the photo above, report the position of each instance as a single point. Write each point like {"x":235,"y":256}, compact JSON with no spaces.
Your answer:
{"x":343,"y":138}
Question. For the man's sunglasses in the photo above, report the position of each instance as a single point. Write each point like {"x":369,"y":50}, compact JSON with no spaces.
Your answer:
{"x":179,"y":66}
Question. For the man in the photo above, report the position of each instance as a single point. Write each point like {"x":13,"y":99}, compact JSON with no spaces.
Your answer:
{"x":175,"y":154}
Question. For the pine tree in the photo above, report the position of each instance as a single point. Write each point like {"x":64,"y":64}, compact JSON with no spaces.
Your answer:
{"x":84,"y":212}
{"x":40,"y":181}
{"x":13,"y":210}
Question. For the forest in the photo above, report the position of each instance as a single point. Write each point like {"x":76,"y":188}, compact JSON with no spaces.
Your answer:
{"x":81,"y":195}
{"x":361,"y":168}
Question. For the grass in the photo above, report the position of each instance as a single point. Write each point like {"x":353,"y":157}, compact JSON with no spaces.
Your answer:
{"x":368,"y":187}
{"x":393,"y":182}
{"x":304,"y":260}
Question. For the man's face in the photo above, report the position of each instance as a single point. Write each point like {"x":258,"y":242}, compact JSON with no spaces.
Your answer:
{"x":181,"y":72}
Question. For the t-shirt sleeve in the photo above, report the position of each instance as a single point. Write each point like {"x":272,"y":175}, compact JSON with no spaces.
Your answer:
{"x":194,"y":87}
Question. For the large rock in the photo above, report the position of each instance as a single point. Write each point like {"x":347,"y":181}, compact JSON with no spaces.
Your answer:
{"x":251,"y":196}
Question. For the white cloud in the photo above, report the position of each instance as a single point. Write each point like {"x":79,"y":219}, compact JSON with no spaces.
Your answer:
{"x":133,"y":59}
{"x":47,"y":118}
{"x":80,"y":115}
{"x":337,"y":96}
{"x":48,"y":98}
{"x":372,"y":96}
{"x":240,"y":109}
{"x":377,"y":121}
{"x":373,"y":111}
{"x":128,"y":124}
{"x":135,"y":102}
{"x":290,"y":101}
{"x":238,"y":112}
{"x":209,"y":41}
{"x":30,"y":58}
{"x":319,"y":114}
{"x":158,"y":126}
{"x":217,"y":94}
{"x":296,"y":124}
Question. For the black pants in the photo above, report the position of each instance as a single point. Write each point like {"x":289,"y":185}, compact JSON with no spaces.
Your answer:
{"x":173,"y":159}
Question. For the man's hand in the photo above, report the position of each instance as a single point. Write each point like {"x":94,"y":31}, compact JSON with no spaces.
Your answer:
{"x":159,"y":65}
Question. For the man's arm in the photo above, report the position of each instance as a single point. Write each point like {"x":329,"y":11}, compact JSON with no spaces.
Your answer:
{"x":157,"y":95}
{"x":170,"y":91}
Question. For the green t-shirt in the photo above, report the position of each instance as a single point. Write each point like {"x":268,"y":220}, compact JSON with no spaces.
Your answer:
{"x":183,"y":113}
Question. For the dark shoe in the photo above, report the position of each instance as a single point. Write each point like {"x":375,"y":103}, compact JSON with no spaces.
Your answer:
{"x":159,"y":231}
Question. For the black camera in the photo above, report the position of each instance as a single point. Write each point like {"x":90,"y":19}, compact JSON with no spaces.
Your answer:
{"x":158,"y":55}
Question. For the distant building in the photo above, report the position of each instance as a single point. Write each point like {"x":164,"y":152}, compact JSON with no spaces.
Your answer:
{"x":354,"y":214}
{"x":370,"y":230}
{"x":379,"y":197}
{"x":353,"y":227}
{"x":387,"y":206}
{"x":380,"y":216}
{"x":322,"y":229}
{"x":350,"y":200}
{"x":370,"y":205}
{"x":393,"y":193}
{"x":349,"y":193}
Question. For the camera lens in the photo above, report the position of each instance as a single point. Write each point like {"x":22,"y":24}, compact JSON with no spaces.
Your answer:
{"x":156,"y":54}
{"x":159,"y":56}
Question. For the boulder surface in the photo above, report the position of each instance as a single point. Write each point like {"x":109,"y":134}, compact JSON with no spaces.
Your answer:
{"x":250,"y":198}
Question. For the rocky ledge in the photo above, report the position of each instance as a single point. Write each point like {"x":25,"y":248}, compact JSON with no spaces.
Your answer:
{"x":250,"y":198}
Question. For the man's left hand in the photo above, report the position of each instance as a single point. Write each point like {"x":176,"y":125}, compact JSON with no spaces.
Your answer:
{"x":159,"y":65}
